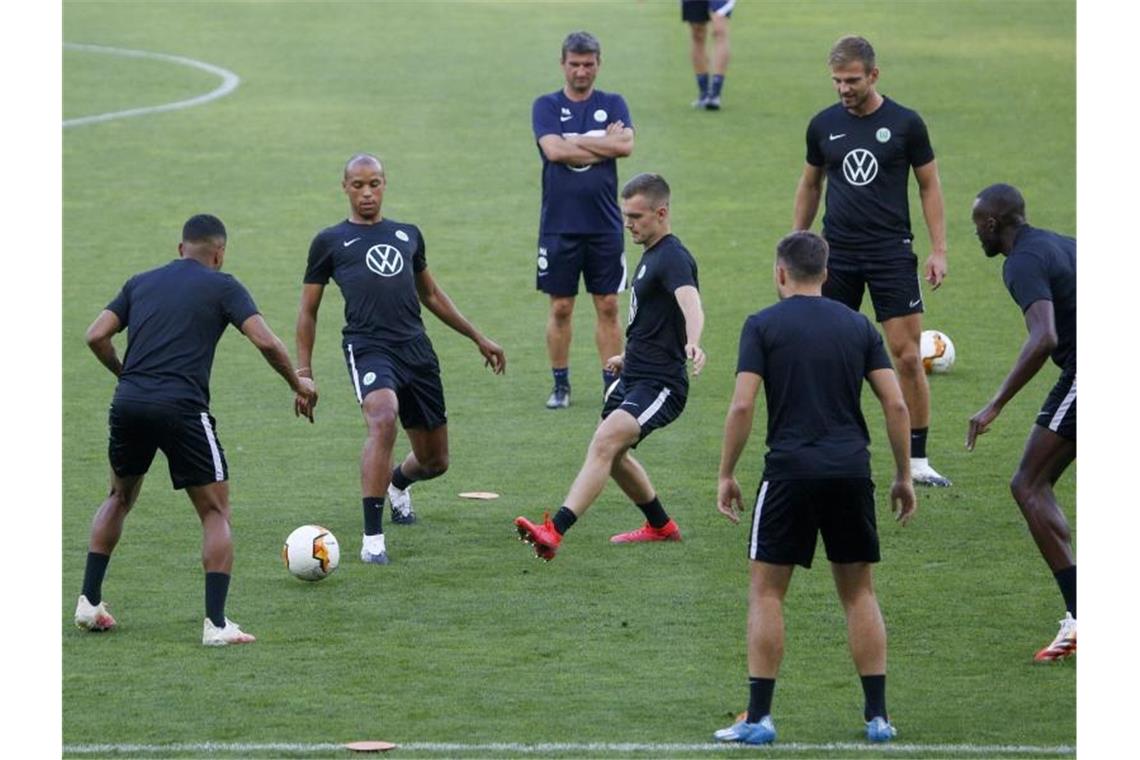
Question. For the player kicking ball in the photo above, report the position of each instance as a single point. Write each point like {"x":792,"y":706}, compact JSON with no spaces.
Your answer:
{"x":665,"y":324}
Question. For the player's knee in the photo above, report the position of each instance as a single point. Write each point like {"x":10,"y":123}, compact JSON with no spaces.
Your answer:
{"x":607,"y":309}
{"x":381,"y":420}
{"x":1023,"y":491}
{"x":561,"y":309}
{"x":435,"y":465}
{"x":908,"y":363}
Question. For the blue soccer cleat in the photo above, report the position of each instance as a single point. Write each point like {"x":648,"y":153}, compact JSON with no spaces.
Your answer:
{"x":879,"y":729}
{"x":760,"y":732}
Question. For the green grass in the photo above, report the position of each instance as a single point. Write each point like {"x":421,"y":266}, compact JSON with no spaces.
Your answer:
{"x":465,"y":638}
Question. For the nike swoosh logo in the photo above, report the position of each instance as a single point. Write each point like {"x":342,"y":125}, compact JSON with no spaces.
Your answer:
{"x":347,"y":243}
{"x":565,"y":118}
{"x":915,"y":303}
{"x":836,"y":137}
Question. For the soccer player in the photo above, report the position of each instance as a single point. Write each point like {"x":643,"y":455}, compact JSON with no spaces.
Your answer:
{"x":698,"y":14}
{"x":865,"y":145}
{"x":174,"y":317}
{"x":812,"y":355}
{"x":381,"y":268}
{"x":581,"y":132}
{"x":1040,"y":272}
{"x":665,"y":324}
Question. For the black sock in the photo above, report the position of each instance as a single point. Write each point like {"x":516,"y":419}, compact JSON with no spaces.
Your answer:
{"x":217,"y":586}
{"x":373,"y":515}
{"x":918,"y":443}
{"x":561,"y":376}
{"x":654,"y":513}
{"x":759,"y":697}
{"x":1065,"y":578}
{"x":564,"y":519}
{"x":874,"y":696}
{"x":93,"y":576}
{"x":399,"y":479}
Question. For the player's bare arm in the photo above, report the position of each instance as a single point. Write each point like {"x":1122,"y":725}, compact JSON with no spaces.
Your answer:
{"x":689,"y":299}
{"x":809,"y":191}
{"x":436,"y":301}
{"x":563,"y":150}
{"x":260,"y":335}
{"x":930,"y":192}
{"x":99,"y":335}
{"x":886,"y":387}
{"x":617,"y":142}
{"x":311,"y":296}
{"x":737,"y":427}
{"x":1039,"y":344}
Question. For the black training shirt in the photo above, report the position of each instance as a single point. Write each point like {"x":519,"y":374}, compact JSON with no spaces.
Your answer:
{"x":655,"y":338}
{"x":1042,"y":266}
{"x":175,"y":315}
{"x":375,"y":266}
{"x":813,"y":354}
{"x":868,"y":160}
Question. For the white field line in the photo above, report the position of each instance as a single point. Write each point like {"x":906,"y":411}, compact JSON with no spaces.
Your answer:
{"x":958,"y":750}
{"x":230,"y":81}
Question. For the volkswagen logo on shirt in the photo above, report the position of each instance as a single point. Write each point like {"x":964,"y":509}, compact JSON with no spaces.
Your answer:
{"x":384,"y":260}
{"x":860,"y":167}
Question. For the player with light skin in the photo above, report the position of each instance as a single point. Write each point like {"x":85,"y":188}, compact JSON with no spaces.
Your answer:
{"x":175,"y":316}
{"x":700,"y":15}
{"x":381,"y":267}
{"x":666,"y":320}
{"x":580,"y":133}
{"x":1040,"y":273}
{"x":861,"y":147}
{"x":817,"y":473}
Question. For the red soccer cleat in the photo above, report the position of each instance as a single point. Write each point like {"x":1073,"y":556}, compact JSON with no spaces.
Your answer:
{"x":1065,"y":645}
{"x":668,"y":532}
{"x":544,"y":537}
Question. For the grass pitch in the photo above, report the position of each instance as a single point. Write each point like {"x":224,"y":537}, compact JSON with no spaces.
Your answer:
{"x":465,"y":638}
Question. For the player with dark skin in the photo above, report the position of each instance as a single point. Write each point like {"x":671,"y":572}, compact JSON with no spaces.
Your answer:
{"x":999,"y":219}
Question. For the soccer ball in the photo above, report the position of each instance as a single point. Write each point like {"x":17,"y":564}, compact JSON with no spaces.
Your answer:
{"x":937,"y":352}
{"x":311,"y":553}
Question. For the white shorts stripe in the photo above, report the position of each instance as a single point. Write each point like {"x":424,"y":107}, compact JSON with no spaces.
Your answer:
{"x":756,"y":520}
{"x":355,"y":375}
{"x":652,"y":408}
{"x":219,"y":471}
{"x":1063,"y":409}
{"x":624,"y":274}
{"x":727,"y":8}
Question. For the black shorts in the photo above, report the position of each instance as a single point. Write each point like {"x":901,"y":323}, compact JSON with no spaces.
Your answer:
{"x":891,"y":274}
{"x":790,"y":513}
{"x":652,"y":403}
{"x":1060,"y":411}
{"x":699,"y":11}
{"x":597,"y":259}
{"x":411,"y":369}
{"x":189,"y":440}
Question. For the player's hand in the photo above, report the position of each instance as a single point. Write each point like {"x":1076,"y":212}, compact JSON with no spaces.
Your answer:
{"x":306,"y":399}
{"x":980,"y":423}
{"x":493,"y":355}
{"x":935,"y":269}
{"x":728,"y":499}
{"x":615,"y":127}
{"x":903,"y":502}
{"x":694,"y":353}
{"x":615,"y":364}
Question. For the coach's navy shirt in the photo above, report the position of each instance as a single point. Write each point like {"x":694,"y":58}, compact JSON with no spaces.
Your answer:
{"x":578,"y":200}
{"x":656,"y":335}
{"x":868,"y":159}
{"x":375,"y":266}
{"x":1042,"y":266}
{"x":175,"y":315}
{"x":813,"y":354}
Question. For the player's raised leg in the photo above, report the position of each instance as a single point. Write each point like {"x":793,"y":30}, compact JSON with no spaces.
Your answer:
{"x":903,"y":335}
{"x":867,"y":638}
{"x":212,"y":503}
{"x":559,"y":331}
{"x":628,"y":473}
{"x":380,"y":409}
{"x":429,"y":458}
{"x":106,"y":528}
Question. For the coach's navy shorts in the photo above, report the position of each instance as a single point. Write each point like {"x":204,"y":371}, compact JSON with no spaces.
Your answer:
{"x":189,"y":440}
{"x":699,"y":11}
{"x":652,"y":403}
{"x":1060,"y":411}
{"x":598,"y":259}
{"x":891,"y":274}
{"x":411,"y":369}
{"x":789,"y":514}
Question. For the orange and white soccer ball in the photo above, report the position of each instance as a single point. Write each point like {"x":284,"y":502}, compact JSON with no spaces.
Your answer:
{"x":937,"y":352}
{"x":311,"y":553}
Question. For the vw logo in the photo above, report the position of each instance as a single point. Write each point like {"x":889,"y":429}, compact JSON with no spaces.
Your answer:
{"x":860,"y":167}
{"x":384,"y":260}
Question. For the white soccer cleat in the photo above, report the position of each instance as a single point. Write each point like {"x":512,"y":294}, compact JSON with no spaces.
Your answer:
{"x":231,"y":633}
{"x":401,"y":501}
{"x":373,"y":551}
{"x":922,"y":474}
{"x":1065,"y":645}
{"x":93,"y":617}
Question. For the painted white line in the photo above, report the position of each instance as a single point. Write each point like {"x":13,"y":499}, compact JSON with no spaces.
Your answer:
{"x":230,"y":81}
{"x":985,"y":750}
